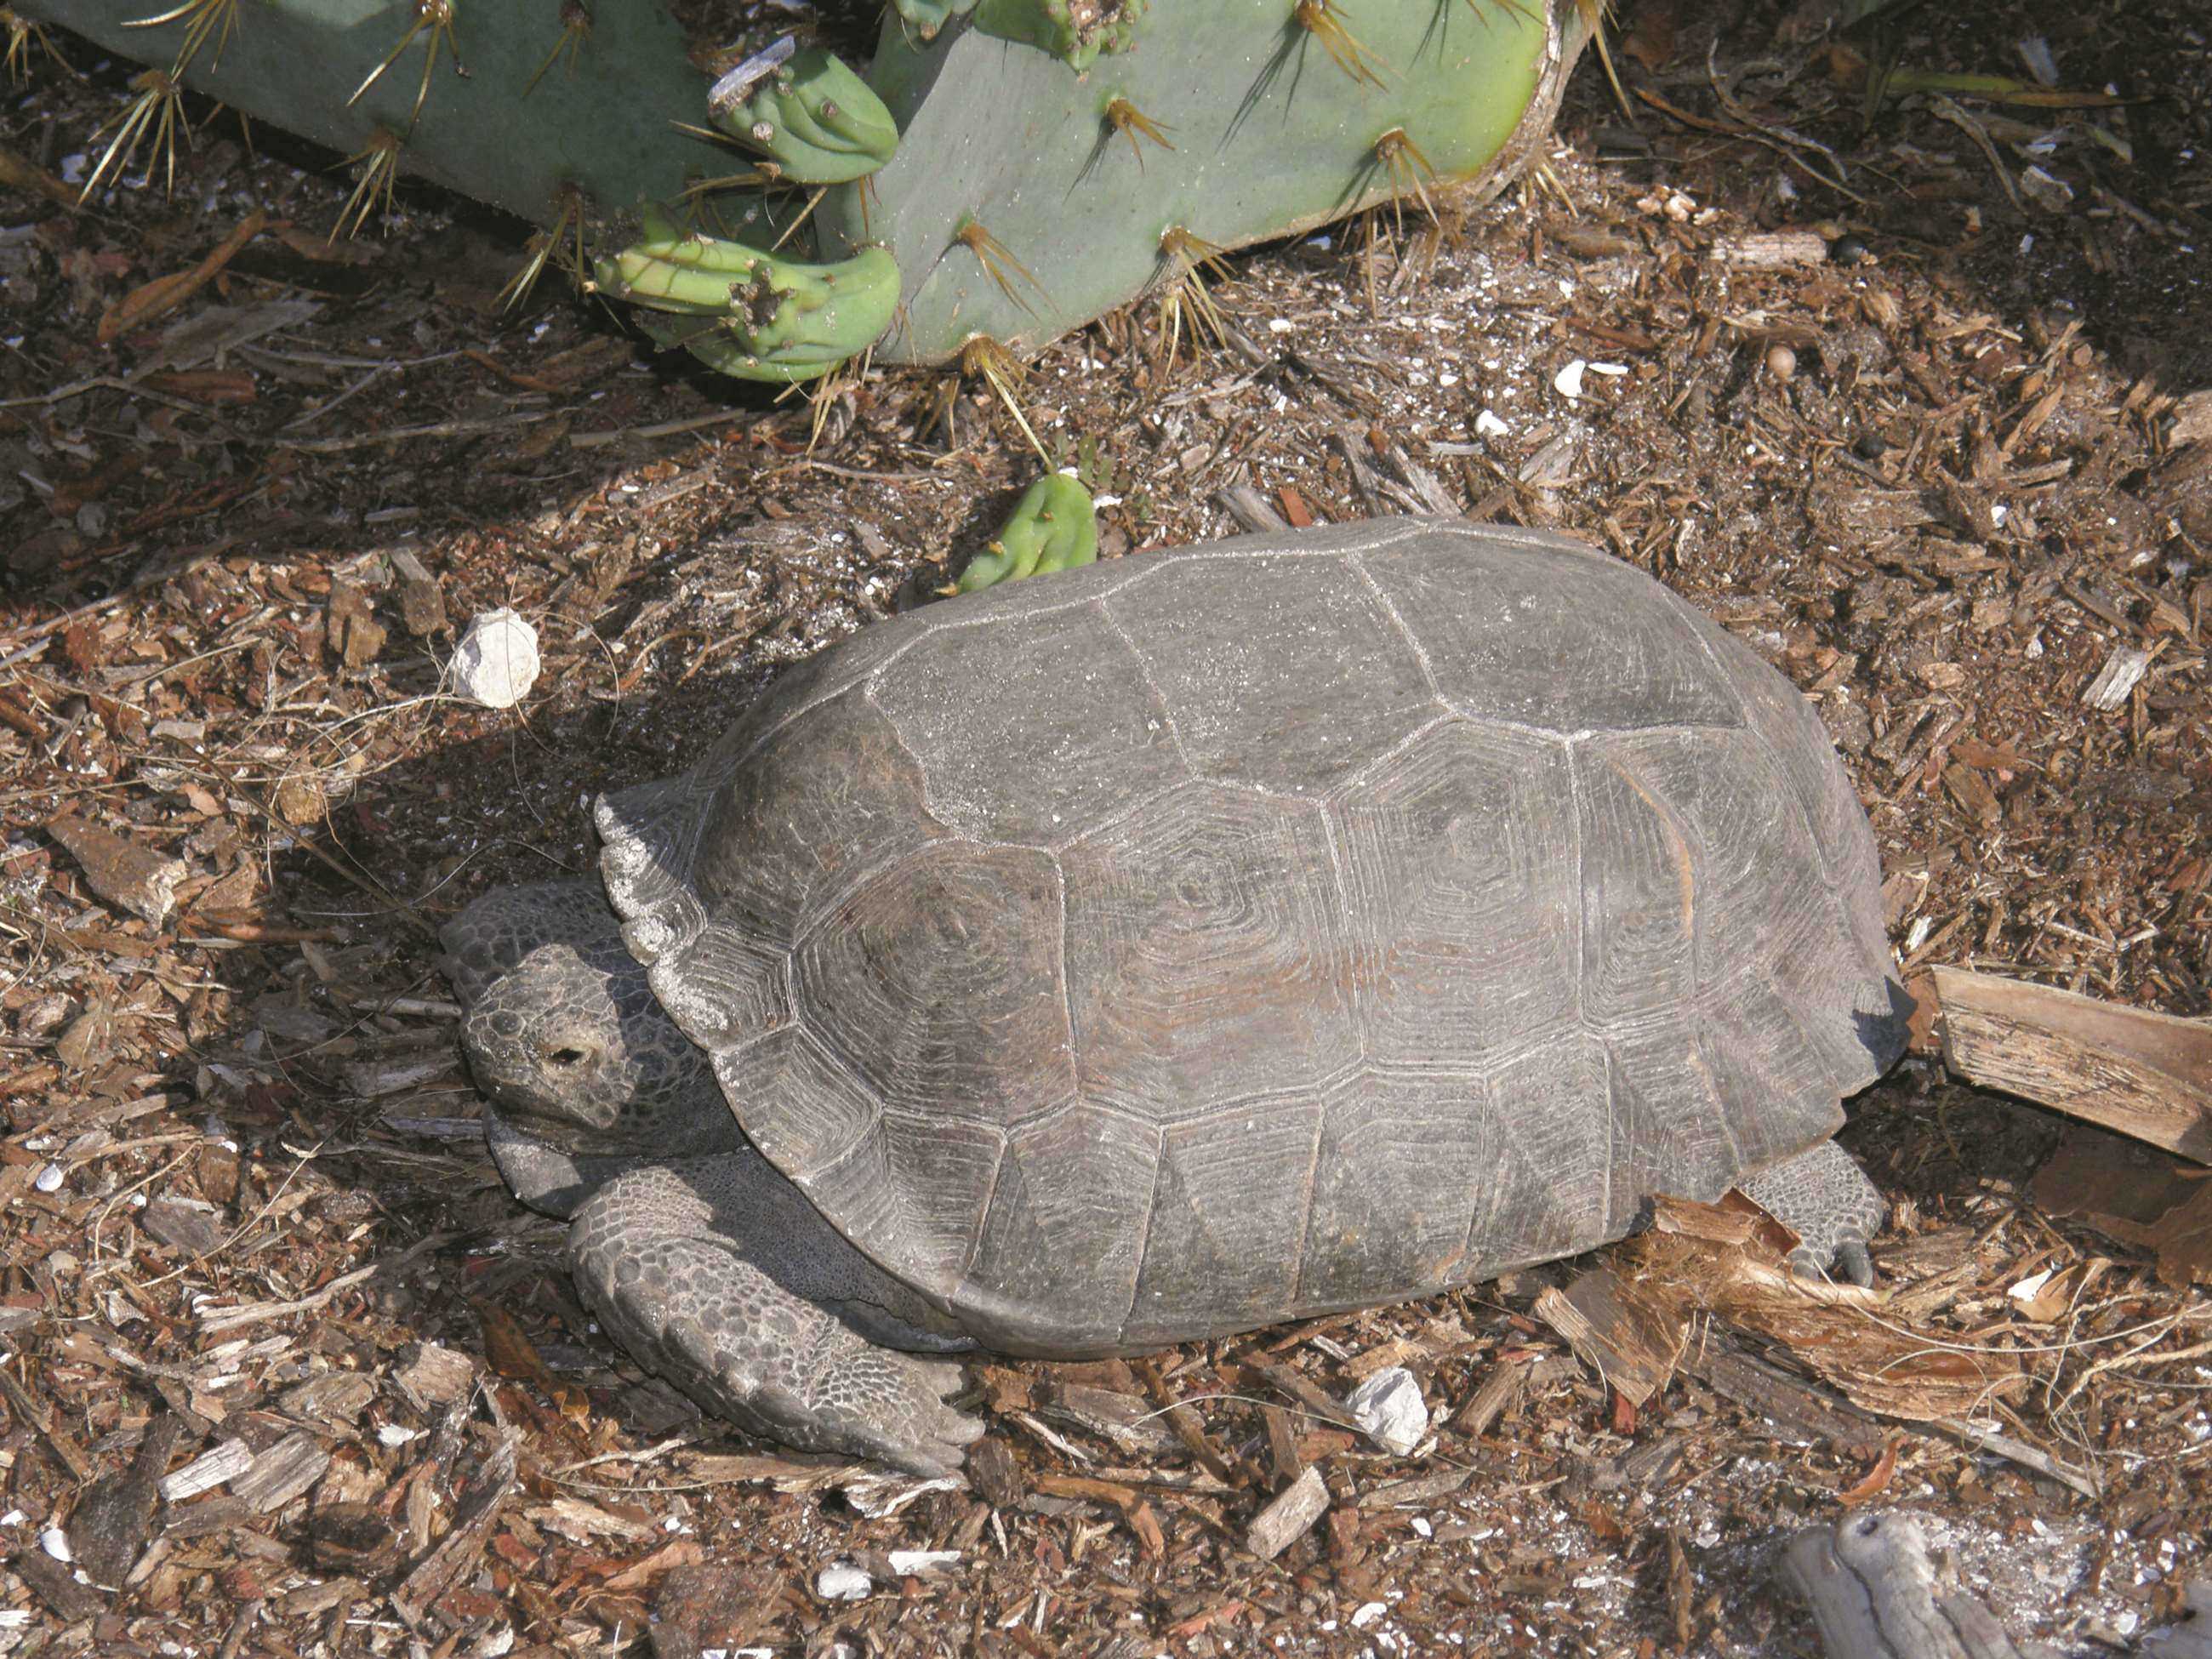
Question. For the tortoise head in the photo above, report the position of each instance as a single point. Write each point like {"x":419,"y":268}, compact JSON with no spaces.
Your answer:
{"x":573,"y":1050}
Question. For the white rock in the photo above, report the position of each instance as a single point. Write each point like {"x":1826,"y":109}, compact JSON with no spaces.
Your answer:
{"x":55,"y":1542}
{"x":1389,"y":1408}
{"x":1367,"y":1612}
{"x":497,"y":662}
{"x":842,"y":1582}
{"x":1487,"y":425}
{"x":1569,"y":380}
{"x":911,"y":1564}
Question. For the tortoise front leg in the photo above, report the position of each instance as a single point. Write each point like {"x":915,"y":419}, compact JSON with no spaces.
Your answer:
{"x":1826,"y":1198}
{"x":749,"y":1302}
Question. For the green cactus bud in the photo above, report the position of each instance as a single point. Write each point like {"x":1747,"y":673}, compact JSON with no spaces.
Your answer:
{"x":815,"y":120}
{"x":926,"y":17}
{"x":1054,"y":527}
{"x":750,"y":313}
{"x":1074,"y":31}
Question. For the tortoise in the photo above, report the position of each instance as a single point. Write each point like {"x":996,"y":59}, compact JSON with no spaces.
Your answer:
{"x":1181,"y":946}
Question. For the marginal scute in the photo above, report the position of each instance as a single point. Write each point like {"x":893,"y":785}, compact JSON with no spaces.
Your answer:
{"x":1550,"y":1194}
{"x":911,"y":1194}
{"x":1083,"y":1172}
{"x":1763,"y":1062}
{"x":1311,"y":684}
{"x":725,"y":986}
{"x":1402,"y":1157}
{"x":1459,"y":869}
{"x":802,"y":1109}
{"x":939,"y":981}
{"x":1222,"y":1250}
{"x":1205,"y":944}
{"x":1672,"y":1131}
{"x":1561,"y":640}
{"x":1802,"y":752}
{"x":647,"y":834}
{"x":1064,"y":693}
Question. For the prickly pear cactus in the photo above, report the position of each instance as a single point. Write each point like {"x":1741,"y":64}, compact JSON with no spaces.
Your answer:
{"x":1230,"y":121}
{"x":1002,"y":171}
{"x":520,"y":103}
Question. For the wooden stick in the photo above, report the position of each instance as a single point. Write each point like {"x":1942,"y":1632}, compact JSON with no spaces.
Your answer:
{"x":2142,"y":1075}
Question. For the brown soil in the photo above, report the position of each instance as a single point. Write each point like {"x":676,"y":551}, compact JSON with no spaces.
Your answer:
{"x":1932,"y":464}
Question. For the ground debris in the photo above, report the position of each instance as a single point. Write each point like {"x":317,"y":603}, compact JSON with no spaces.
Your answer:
{"x":125,"y":873}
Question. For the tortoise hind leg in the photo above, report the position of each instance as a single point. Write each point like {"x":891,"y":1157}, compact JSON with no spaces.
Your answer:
{"x":1826,"y":1198}
{"x":754,"y":1306}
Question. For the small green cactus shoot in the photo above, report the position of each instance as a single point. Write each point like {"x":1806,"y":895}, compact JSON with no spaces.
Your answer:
{"x":1054,"y":526}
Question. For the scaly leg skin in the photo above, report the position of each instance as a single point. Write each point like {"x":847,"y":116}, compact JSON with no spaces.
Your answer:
{"x":695,"y":1268}
{"x":1824,"y":1198}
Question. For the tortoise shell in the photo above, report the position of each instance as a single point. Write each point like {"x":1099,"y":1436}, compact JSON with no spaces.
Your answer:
{"x":1295,"y":923}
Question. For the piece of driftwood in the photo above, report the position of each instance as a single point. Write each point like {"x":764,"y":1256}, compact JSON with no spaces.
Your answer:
{"x":2142,"y":1075}
{"x":1874,"y":1594}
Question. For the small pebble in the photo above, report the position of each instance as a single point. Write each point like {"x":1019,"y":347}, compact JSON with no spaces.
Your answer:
{"x":842,"y":1582}
{"x":496,"y":662}
{"x":1848,"y":250}
{"x":1781,"y":362}
{"x":1869,"y":446}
